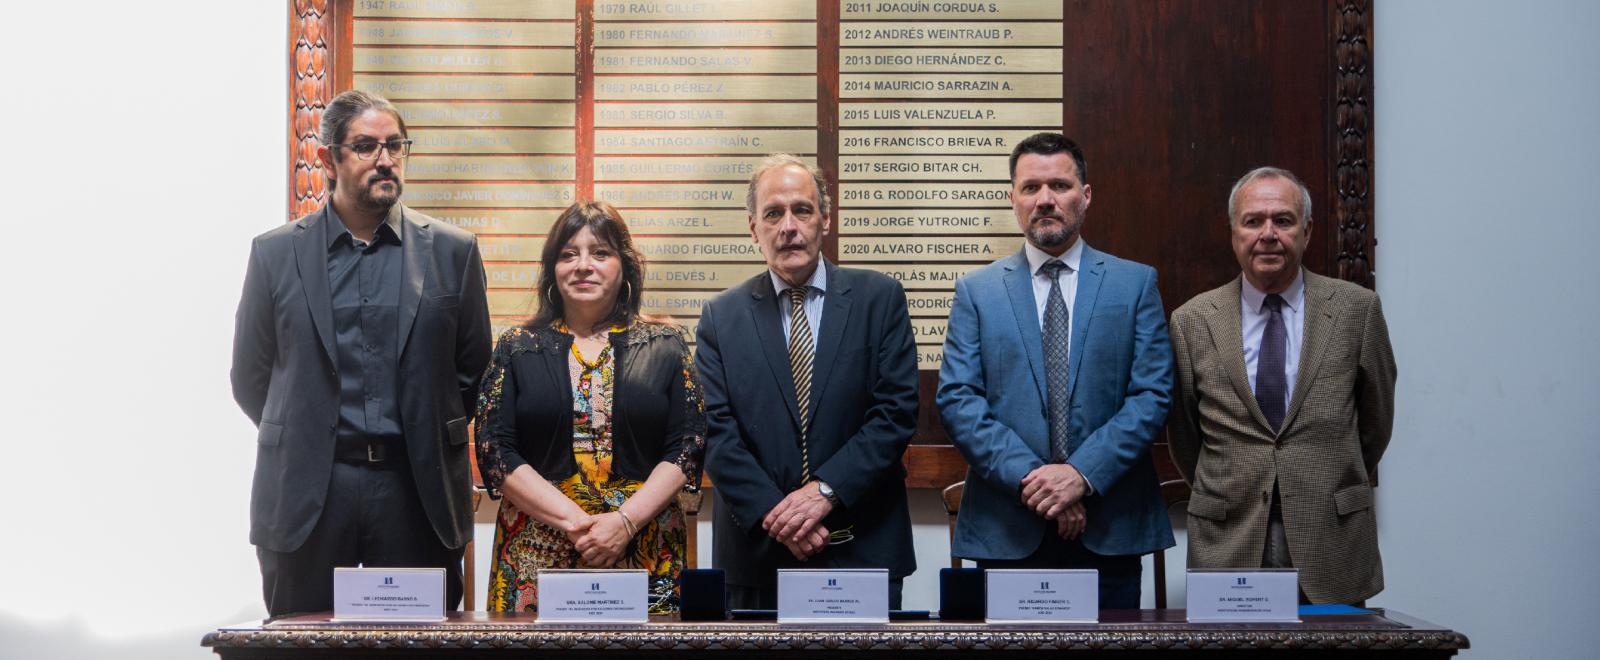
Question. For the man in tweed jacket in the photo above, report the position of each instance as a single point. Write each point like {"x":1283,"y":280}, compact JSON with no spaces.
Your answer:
{"x":1284,"y":405}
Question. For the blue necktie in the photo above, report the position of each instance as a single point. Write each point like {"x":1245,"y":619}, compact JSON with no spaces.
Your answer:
{"x":1271,"y":383}
{"x":1057,"y":332}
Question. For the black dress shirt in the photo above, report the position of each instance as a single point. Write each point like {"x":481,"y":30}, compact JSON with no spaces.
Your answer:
{"x":364,"y":281}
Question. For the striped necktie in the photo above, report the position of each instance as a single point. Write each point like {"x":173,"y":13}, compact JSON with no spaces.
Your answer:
{"x":801,"y":355}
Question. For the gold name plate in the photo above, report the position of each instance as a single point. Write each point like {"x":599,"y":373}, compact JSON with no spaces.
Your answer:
{"x":716,"y":115}
{"x":719,"y":141}
{"x":672,"y":195}
{"x":706,"y":61}
{"x":941,"y":221}
{"x":437,"y":33}
{"x":994,"y":195}
{"x":463,"y":60}
{"x":465,"y":87}
{"x":434,"y":113}
{"x":974,"y":60}
{"x":983,"y":142}
{"x":489,"y":168}
{"x":944,"y":248}
{"x":706,"y":10}
{"x":480,"y":195}
{"x":954,"y":11}
{"x":1044,"y":115}
{"x":689,"y":221}
{"x":957,"y":168}
{"x":705,"y":35}
{"x":927,"y":277}
{"x":934,"y":33}
{"x":947,"y":85}
{"x":705,"y":88}
{"x":676,"y":168}
{"x":478,"y":141}
{"x":464,"y":9}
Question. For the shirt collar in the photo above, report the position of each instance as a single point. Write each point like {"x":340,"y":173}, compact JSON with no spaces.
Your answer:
{"x":1037,"y":257}
{"x":1293,"y":297}
{"x":818,"y":281}
{"x":388,"y":231}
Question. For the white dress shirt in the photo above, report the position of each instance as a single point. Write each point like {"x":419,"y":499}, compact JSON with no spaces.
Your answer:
{"x":1253,"y":321}
{"x":1068,"y":277}
{"x":1041,"y":283}
{"x":816,"y":290}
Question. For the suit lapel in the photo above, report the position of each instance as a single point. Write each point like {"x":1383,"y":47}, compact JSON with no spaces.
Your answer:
{"x":1019,"y":288}
{"x":1319,"y":322}
{"x":311,"y":259}
{"x":835,"y":314}
{"x":416,"y":243}
{"x":1091,"y":273}
{"x":769,"y":330}
{"x":1227,"y":336}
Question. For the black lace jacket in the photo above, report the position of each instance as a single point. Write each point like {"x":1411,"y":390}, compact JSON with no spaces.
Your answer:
{"x":524,"y":412}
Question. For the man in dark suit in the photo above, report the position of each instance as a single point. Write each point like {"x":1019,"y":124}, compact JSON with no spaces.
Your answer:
{"x":1056,"y":379}
{"x":359,"y":341}
{"x":1285,"y":403}
{"x":805,"y":436}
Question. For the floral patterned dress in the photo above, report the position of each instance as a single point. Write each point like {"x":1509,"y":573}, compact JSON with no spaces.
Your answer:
{"x":523,"y":545}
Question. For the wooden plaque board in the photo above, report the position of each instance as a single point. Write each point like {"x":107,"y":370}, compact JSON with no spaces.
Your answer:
{"x":663,"y":106}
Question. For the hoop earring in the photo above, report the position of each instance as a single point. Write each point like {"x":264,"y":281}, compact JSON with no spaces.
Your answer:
{"x":549,"y":294}
{"x":629,"y":289}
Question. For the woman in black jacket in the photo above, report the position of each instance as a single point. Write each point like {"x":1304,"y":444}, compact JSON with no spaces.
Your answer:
{"x":589,"y":422}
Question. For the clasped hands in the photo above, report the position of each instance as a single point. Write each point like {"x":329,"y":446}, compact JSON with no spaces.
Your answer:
{"x":796,"y":521}
{"x":1055,"y":491}
{"x":600,"y":538}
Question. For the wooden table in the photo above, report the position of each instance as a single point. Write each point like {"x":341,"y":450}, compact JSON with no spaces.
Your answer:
{"x":1141,"y":634}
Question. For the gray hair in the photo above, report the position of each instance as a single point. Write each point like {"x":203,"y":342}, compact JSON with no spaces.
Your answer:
{"x":343,"y":109}
{"x":1270,"y":173}
{"x":775,"y":161}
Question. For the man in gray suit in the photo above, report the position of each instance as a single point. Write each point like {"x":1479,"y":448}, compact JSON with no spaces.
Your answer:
{"x":359,"y":340}
{"x":1284,"y":404}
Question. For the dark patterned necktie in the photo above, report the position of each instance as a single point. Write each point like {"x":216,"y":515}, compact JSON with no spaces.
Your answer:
{"x":1057,"y":332}
{"x":801,"y":354}
{"x":1271,"y":382}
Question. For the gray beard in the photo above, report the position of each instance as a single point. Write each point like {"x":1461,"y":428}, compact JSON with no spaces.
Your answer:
{"x":380,"y":201}
{"x":1048,"y":236}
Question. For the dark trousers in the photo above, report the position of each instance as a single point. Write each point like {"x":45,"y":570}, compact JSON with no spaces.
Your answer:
{"x":741,"y":597}
{"x":1119,"y":574}
{"x":372,"y":517}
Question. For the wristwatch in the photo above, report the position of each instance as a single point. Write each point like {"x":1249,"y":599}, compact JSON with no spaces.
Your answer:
{"x":822,"y":487}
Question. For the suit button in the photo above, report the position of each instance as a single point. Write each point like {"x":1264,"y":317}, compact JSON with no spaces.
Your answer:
{"x":1266,"y":497}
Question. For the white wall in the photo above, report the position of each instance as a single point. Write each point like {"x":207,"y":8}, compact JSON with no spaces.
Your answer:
{"x":126,"y":478}
{"x":1488,"y":158}
{"x":144,"y":147}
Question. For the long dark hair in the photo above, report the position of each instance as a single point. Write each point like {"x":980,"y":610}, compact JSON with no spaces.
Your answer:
{"x":606,"y":223}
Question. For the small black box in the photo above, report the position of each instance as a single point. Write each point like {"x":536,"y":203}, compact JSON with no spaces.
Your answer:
{"x":702,"y":594}
{"x":961,"y":596}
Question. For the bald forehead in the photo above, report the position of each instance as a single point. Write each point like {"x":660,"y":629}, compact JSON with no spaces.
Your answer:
{"x":786,"y":180}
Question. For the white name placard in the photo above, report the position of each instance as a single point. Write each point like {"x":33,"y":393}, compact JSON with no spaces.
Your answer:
{"x":858,"y":595}
{"x":1028,"y":595}
{"x":388,"y":594}
{"x":594,"y":596}
{"x":1264,"y":595}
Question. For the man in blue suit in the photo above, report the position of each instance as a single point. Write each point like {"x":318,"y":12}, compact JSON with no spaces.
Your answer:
{"x":1057,"y":376}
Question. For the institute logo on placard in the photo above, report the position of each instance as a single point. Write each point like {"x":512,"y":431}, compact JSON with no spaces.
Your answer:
{"x":1241,"y":581}
{"x":1044,"y":586}
{"x":388,"y":580}
{"x":833,"y":582}
{"x":594,"y":586}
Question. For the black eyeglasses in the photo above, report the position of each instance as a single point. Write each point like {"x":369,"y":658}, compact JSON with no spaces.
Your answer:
{"x":369,"y":150}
